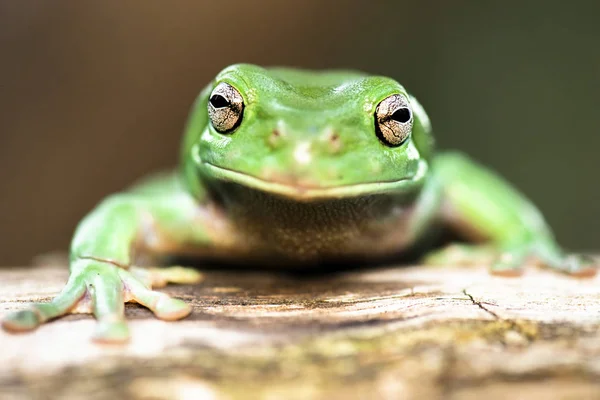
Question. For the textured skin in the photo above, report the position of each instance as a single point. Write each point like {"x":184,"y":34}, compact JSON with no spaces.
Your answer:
{"x":302,"y":180}
{"x":286,"y":232}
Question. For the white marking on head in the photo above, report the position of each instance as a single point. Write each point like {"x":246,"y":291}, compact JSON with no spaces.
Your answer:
{"x":302,"y":153}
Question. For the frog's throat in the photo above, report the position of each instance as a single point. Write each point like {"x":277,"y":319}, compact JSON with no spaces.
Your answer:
{"x":404,"y":185}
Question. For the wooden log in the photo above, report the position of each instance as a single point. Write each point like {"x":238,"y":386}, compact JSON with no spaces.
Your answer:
{"x":395,"y":332}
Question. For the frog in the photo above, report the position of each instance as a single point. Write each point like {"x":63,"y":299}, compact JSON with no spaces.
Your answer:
{"x":295,"y":168}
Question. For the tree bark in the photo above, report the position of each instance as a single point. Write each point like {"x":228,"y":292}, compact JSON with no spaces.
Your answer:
{"x":394,"y":332}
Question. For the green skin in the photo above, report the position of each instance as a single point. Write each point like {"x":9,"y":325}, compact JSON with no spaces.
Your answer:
{"x":302,"y":179}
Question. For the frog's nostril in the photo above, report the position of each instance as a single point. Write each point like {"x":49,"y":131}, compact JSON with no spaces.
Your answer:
{"x":275,"y":138}
{"x":334,"y":142}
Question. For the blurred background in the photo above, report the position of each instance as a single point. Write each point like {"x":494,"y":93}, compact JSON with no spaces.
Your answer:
{"x":95,"y":94}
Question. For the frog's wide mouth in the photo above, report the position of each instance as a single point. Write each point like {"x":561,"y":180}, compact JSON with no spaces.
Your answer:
{"x":307,"y":193}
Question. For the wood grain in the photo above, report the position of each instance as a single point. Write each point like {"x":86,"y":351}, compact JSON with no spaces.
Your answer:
{"x":394,"y":332}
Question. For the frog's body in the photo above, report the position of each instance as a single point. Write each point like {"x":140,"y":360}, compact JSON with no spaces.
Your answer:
{"x":293,"y":168}
{"x":279,"y":232}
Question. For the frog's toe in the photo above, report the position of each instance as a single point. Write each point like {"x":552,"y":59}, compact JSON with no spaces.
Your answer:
{"x":577,"y":265}
{"x":168,"y":308}
{"x":160,"y":277}
{"x":509,"y":264}
{"x":38,"y":313}
{"x":181,"y":275}
{"x":21,"y":321}
{"x":111,"y":332}
{"x":164,"y":306}
{"x":507,"y":270}
{"x":108,"y":305}
{"x":461,"y":254}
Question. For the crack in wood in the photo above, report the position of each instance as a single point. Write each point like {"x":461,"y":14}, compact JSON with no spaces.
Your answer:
{"x":480,"y":305}
{"x":393,"y":332}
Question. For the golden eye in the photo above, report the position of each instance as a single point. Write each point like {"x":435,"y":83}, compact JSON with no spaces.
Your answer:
{"x":393,"y":120}
{"x":225,"y":108}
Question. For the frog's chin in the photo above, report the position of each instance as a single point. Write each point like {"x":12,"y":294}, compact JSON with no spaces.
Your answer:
{"x":305,"y":193}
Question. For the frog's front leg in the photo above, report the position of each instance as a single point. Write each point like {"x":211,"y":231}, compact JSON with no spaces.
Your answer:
{"x":479,"y":203}
{"x":102,"y":277}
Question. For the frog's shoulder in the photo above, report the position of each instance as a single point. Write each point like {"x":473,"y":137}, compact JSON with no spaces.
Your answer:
{"x":158,"y":183}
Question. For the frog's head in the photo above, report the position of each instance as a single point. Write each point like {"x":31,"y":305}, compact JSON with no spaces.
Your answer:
{"x":307,"y":135}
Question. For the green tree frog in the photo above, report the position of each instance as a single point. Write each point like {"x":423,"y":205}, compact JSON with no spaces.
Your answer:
{"x":295,"y":168}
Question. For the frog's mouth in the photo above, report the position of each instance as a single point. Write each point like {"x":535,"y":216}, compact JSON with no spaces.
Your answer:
{"x":307,"y":193}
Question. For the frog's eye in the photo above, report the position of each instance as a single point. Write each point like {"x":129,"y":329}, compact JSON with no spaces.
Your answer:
{"x":393,"y":120}
{"x":225,"y":108}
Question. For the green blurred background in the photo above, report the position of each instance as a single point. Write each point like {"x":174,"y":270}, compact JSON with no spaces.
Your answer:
{"x":95,"y":94}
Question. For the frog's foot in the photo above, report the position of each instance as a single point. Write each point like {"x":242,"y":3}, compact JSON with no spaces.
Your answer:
{"x":102,"y":289}
{"x":545,"y":254}
{"x":577,"y":265}
{"x":462,"y":254}
{"x":158,"y":277}
{"x":511,"y":261}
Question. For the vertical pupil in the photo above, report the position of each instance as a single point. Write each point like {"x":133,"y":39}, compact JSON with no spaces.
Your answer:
{"x":401,"y":115}
{"x":218,"y":101}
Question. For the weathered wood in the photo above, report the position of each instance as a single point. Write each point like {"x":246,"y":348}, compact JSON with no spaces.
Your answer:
{"x":418,"y":332}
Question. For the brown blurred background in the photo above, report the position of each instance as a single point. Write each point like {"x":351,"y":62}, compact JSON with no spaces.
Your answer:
{"x":95,"y":94}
